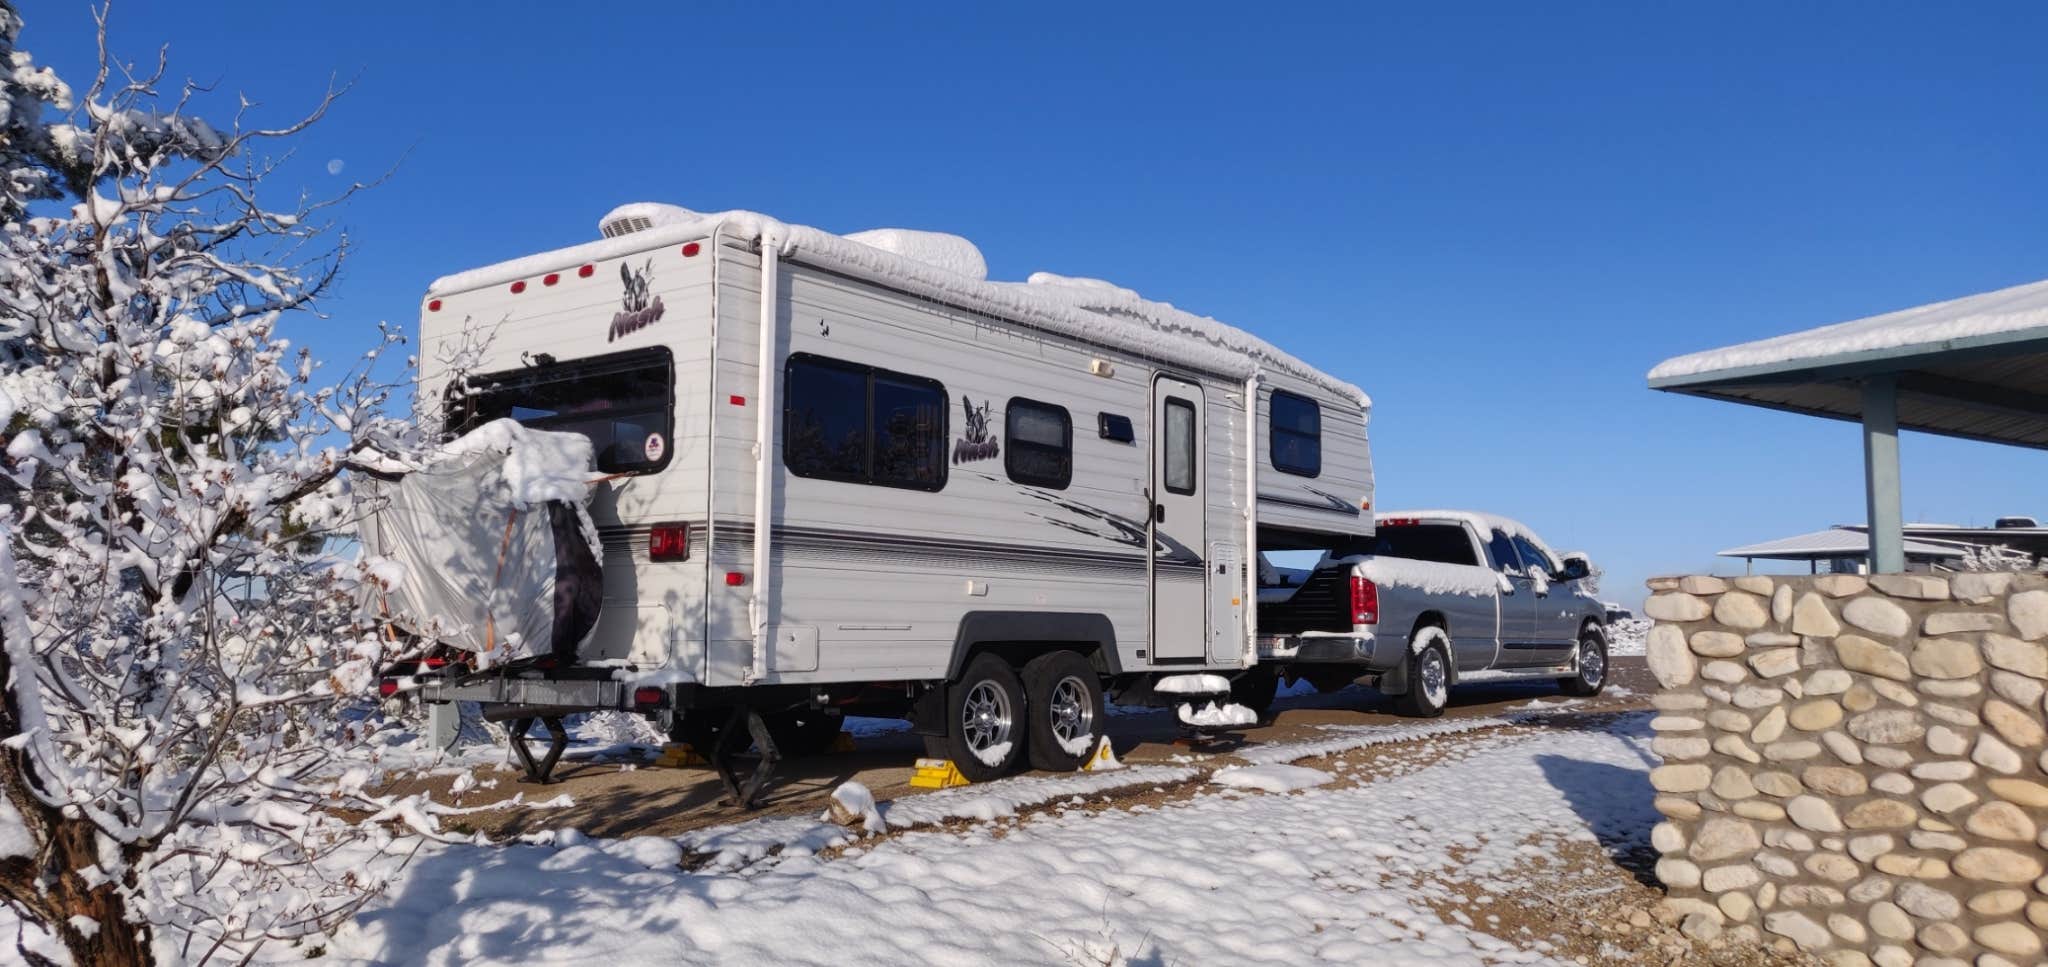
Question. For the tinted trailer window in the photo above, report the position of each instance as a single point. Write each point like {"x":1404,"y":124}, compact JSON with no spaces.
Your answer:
{"x":624,"y":402}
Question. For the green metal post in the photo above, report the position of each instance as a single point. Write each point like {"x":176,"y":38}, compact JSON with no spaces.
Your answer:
{"x":1881,"y":474}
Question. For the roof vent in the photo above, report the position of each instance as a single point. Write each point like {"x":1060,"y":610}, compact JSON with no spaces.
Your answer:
{"x":640,"y":216}
{"x":613,"y":228}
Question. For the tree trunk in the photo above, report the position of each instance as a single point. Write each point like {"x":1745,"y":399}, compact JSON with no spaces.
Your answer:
{"x":116,"y":942}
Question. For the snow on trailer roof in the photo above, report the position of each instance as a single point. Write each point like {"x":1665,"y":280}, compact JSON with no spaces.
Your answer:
{"x":918,"y":262}
{"x":1974,"y":367}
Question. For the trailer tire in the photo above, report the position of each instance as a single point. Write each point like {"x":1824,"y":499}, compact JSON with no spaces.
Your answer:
{"x":1592,"y":661}
{"x":1429,"y":674}
{"x":1064,"y":693}
{"x":985,"y":715}
{"x":1255,"y":689}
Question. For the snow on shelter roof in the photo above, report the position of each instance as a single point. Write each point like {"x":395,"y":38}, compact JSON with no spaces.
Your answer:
{"x":1082,"y":309}
{"x":2018,"y":312}
{"x":1974,"y":367}
{"x":1834,"y":542}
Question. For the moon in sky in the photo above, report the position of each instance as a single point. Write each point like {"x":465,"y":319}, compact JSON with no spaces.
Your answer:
{"x":334,"y":167}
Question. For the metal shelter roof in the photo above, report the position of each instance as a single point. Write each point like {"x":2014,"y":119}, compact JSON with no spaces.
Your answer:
{"x":1974,"y":367}
{"x":1830,"y":544}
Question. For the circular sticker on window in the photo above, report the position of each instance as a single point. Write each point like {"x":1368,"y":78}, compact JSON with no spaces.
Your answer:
{"x":654,"y":447}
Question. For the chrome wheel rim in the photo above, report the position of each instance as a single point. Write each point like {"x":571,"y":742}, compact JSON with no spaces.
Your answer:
{"x":985,"y":717}
{"x":1592,"y":662}
{"x":1433,"y":687}
{"x":1071,"y":713}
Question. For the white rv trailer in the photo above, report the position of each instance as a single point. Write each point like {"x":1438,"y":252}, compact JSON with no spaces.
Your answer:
{"x":923,"y":494}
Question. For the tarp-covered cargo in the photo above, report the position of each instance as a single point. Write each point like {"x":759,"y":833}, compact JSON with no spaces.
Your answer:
{"x":486,"y":546}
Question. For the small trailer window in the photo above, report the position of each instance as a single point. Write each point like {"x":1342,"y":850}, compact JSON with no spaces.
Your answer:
{"x":858,"y":424}
{"x":1041,"y":444}
{"x":623,"y":402}
{"x":1296,"y":434}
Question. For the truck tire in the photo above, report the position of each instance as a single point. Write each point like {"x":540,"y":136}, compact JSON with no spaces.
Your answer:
{"x":1064,"y":695}
{"x":1592,"y":662}
{"x":1429,"y":674}
{"x":1255,"y":688}
{"x":985,"y":721}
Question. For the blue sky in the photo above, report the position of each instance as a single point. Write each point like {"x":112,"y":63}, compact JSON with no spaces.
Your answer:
{"x":1495,"y":218}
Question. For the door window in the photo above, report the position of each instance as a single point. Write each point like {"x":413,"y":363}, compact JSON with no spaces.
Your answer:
{"x":1180,"y":445}
{"x":1534,"y":560}
{"x":1503,"y":552}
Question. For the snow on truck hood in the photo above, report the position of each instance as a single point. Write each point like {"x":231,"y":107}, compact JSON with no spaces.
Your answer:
{"x":939,"y":266}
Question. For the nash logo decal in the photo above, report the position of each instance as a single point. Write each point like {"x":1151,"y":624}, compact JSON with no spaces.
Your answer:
{"x":979,"y":443}
{"x":636,"y":310}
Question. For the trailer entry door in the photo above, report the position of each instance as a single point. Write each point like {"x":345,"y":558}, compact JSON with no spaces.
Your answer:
{"x":1179,"y":577}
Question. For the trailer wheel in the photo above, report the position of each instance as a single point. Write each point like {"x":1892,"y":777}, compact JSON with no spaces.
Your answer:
{"x":984,"y":721}
{"x":1065,"y":696}
{"x":1429,"y":674}
{"x":1592,"y":662}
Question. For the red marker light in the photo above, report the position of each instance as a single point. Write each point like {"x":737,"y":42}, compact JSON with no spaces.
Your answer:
{"x":584,"y":272}
{"x":691,"y":250}
{"x":434,"y":306}
{"x":734,"y":579}
{"x":518,"y":287}
{"x":551,"y":279}
{"x":739,"y":401}
{"x":668,"y":542}
{"x":647,"y":696}
{"x":387,"y":687}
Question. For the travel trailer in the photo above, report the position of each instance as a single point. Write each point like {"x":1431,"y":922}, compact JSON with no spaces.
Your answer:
{"x":889,"y":486}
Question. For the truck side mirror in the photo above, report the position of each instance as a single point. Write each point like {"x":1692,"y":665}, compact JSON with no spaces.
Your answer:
{"x":1574,"y":568}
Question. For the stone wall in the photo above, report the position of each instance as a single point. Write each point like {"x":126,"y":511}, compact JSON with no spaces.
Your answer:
{"x":1856,"y":765}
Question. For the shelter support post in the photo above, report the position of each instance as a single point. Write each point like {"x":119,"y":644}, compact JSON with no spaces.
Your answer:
{"x":1881,"y":474}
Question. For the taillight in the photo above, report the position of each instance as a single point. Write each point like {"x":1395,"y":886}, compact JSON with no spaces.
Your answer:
{"x":1365,"y":601}
{"x":387,"y":687}
{"x":648,"y":696}
{"x":668,"y":542}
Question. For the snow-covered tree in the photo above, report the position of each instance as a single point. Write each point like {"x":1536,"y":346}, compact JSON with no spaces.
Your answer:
{"x":179,"y":645}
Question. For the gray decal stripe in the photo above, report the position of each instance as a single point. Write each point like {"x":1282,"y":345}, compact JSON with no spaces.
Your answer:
{"x":1328,"y":504}
{"x":871,"y":545}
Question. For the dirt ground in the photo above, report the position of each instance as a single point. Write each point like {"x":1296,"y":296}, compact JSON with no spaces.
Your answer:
{"x":631,"y":796}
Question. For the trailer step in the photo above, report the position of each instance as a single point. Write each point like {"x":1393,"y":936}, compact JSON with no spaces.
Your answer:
{"x":937,"y":774}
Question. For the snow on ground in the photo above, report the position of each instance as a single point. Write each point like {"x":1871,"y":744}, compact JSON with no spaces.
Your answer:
{"x":1344,"y":873}
{"x":1627,"y":636}
{"x":1271,"y":778}
{"x":738,"y":844}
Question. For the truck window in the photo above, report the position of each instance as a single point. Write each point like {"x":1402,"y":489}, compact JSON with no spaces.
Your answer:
{"x":1041,"y":444}
{"x":622,"y":401}
{"x":1503,"y":551}
{"x":1441,"y":543}
{"x":858,"y":424}
{"x":1534,"y":556}
{"x":1296,"y":434}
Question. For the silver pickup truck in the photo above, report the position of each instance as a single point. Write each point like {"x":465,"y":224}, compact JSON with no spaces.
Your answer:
{"x":1433,"y":599}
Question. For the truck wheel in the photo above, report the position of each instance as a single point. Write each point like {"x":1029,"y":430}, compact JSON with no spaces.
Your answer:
{"x":1592,"y":661}
{"x":1255,"y":689}
{"x":1429,"y":674}
{"x":984,"y":721}
{"x":1065,"y":698}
